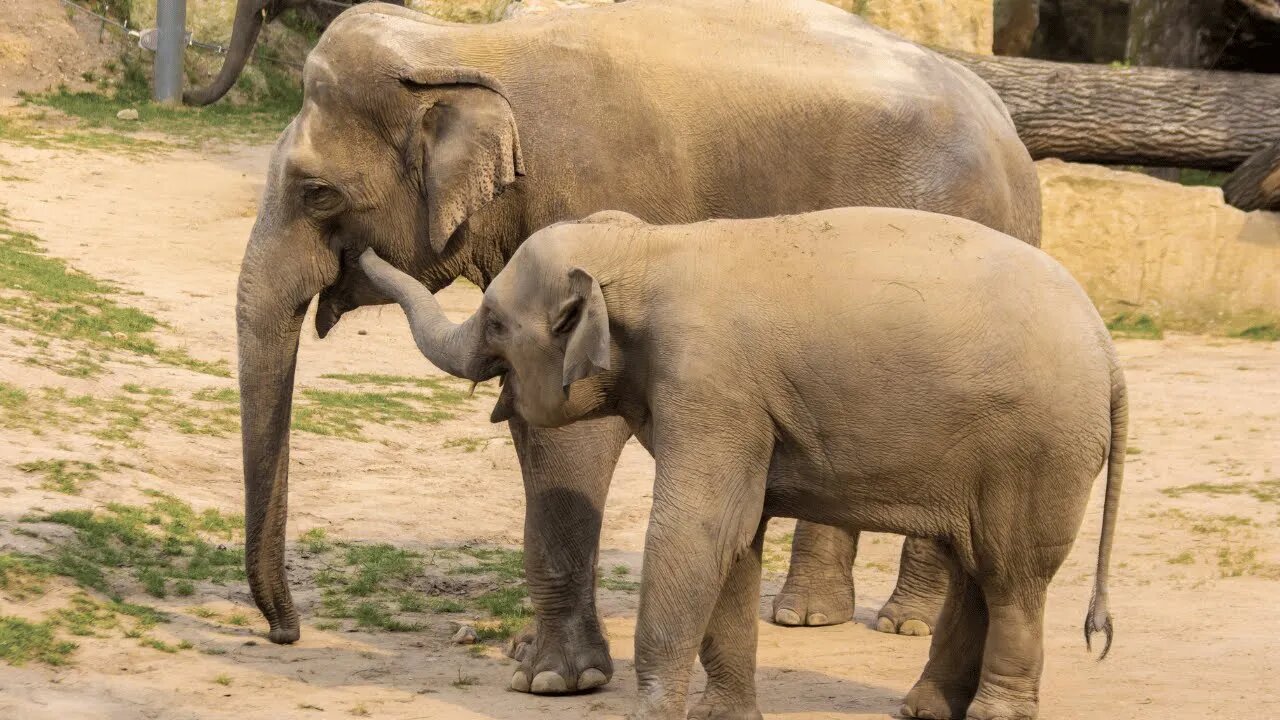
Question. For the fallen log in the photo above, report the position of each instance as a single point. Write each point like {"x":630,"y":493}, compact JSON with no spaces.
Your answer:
{"x":1255,"y":185}
{"x":1134,"y":115}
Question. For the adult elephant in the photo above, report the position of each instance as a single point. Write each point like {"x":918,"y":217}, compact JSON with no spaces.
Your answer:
{"x":251,"y":15}
{"x":444,"y":146}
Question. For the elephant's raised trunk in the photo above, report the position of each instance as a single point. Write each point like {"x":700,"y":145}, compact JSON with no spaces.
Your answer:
{"x":278,"y":278}
{"x":250,"y":16}
{"x":454,"y":348}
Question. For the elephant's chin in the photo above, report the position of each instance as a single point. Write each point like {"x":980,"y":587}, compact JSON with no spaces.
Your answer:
{"x":505,"y":408}
{"x":327,"y":316}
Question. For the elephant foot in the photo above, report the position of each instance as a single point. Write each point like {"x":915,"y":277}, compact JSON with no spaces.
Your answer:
{"x":912,"y":615}
{"x":986,"y":707}
{"x":284,"y":635}
{"x":715,"y":710}
{"x":554,"y":663}
{"x":824,"y":598}
{"x":929,"y":700}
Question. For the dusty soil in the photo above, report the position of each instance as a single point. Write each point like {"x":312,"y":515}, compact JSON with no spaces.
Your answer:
{"x":1195,"y":575}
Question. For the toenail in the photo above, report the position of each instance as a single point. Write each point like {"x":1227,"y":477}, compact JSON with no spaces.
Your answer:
{"x":787,"y":617}
{"x":591,"y":678}
{"x":548,"y":682}
{"x":520,"y":682}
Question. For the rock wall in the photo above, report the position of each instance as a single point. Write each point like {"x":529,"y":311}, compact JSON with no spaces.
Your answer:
{"x":1179,"y":254}
{"x":956,"y":24}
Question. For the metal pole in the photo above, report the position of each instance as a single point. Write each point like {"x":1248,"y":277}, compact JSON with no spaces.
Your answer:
{"x":171,"y":27}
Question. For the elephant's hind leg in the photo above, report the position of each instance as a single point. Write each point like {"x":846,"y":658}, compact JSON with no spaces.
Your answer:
{"x":566,"y":476}
{"x":1010,"y":683}
{"x":922,"y":587}
{"x":950,"y":678}
{"x":819,"y":587}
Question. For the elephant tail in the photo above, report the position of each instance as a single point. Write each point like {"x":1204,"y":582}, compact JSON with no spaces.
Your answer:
{"x":1099,"y":617}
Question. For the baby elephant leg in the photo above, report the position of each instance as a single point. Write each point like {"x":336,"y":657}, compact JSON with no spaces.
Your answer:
{"x":728,"y":650}
{"x":923,"y":578}
{"x":819,"y":587}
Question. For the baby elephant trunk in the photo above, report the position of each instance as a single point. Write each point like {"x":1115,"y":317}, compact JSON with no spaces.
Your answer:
{"x":454,"y":348}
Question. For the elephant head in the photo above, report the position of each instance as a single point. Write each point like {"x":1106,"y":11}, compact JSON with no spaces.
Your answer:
{"x":388,"y":152}
{"x":543,"y":326}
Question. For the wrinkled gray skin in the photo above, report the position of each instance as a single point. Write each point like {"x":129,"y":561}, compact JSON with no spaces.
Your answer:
{"x":444,"y":146}
{"x":251,"y":15}
{"x":935,"y":378}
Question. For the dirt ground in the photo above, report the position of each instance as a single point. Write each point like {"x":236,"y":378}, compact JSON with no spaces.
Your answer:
{"x":1195,"y":576}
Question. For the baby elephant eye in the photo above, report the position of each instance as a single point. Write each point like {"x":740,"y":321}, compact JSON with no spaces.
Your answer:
{"x":494,"y":326}
{"x":321,"y":198}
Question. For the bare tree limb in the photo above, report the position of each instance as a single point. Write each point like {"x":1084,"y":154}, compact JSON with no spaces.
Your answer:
{"x":1255,"y":185}
{"x":1135,"y":116}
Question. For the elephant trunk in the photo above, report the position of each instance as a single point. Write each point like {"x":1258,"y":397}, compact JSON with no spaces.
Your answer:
{"x":250,"y":16}
{"x":454,"y":348}
{"x":273,"y":295}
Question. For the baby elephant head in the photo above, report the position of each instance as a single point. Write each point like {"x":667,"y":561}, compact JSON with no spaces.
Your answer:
{"x":542,"y":325}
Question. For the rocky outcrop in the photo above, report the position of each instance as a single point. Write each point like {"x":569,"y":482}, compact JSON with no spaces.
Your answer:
{"x":956,"y":24}
{"x":1179,"y":254}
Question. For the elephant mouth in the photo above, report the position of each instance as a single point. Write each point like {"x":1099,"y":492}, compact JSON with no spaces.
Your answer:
{"x":505,"y":408}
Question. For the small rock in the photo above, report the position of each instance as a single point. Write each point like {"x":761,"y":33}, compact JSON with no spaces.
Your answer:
{"x":362,"y":332}
{"x":466,"y":635}
{"x":127,"y":114}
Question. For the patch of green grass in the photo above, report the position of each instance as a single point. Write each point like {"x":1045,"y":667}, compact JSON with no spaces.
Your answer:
{"x":445,"y":605}
{"x":507,"y":607}
{"x":619,"y":584}
{"x":203,"y":612}
{"x":260,"y":119}
{"x":1183,"y":558}
{"x":464,"y":681}
{"x":52,"y":299}
{"x":344,"y":414}
{"x":412,"y":602}
{"x":64,"y":476}
{"x":467,"y":444}
{"x":223,"y":679}
{"x":22,"y":640}
{"x":1267,"y":332}
{"x":159,"y":543}
{"x":115,"y":418}
{"x":328,"y":625}
{"x":238,"y":619}
{"x":377,"y":564}
{"x":507,"y":565}
{"x":314,"y":541}
{"x":21,"y":577}
{"x":1238,"y":562}
{"x":1135,"y":325}
{"x":1267,"y":491}
{"x":1208,"y":178}
{"x":158,"y":644}
{"x":369,"y":614}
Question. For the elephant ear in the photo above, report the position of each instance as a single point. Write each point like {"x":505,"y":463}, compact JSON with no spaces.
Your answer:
{"x":585,"y":321}
{"x":465,"y":148}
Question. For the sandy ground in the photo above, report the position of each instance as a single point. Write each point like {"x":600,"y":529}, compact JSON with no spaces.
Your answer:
{"x":1192,"y":640}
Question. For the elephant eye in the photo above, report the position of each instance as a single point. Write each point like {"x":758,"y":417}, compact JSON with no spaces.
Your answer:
{"x":320,"y":198}
{"x":494,"y":326}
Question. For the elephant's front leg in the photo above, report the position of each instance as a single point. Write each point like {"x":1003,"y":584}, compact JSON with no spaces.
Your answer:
{"x":566,"y":476}
{"x":728,"y":650}
{"x":924,"y":575}
{"x":707,"y":503}
{"x":819,"y":587}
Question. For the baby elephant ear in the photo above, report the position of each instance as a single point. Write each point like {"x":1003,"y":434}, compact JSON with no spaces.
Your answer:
{"x":584,"y":319}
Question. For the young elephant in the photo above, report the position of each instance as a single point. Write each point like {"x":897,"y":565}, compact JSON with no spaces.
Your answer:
{"x":866,"y":368}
